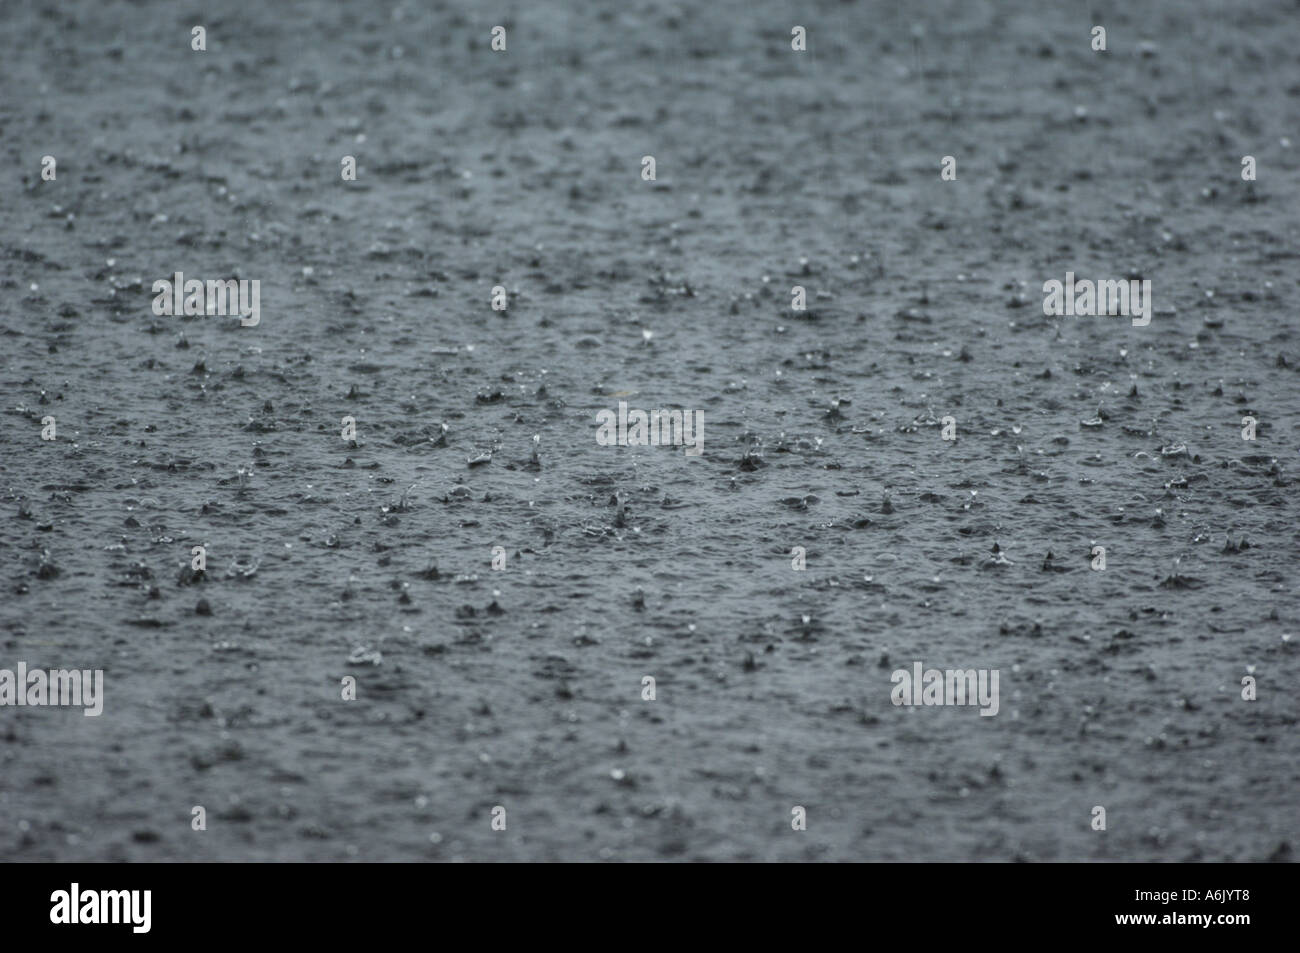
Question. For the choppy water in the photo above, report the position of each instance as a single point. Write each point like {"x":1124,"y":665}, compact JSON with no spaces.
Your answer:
{"x":522,"y":687}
